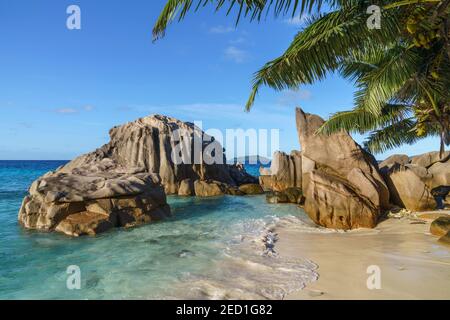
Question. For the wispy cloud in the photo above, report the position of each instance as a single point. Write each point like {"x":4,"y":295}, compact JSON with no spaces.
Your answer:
{"x":297,"y":21}
{"x":221,"y":29}
{"x":235,"y":54}
{"x":66,"y":110}
{"x":86,"y":108}
{"x":26,"y":125}
{"x":239,"y":40}
{"x":293,"y":97}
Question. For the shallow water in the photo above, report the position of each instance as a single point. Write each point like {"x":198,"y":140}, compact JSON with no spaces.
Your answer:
{"x":211,"y":248}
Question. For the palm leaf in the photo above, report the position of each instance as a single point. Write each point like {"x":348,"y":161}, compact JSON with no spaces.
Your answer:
{"x":362,"y":121}
{"x":253,"y":9}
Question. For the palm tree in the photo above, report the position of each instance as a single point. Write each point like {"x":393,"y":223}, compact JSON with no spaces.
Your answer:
{"x":412,"y":47}
{"x":418,"y":107}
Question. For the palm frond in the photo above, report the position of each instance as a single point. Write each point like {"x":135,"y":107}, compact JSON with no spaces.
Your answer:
{"x":253,"y":9}
{"x":381,"y":84}
{"x":362,"y":121}
{"x":392,"y":136}
{"x":321,"y":47}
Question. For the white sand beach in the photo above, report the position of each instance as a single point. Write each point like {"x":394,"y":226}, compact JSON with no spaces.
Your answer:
{"x":413,"y":263}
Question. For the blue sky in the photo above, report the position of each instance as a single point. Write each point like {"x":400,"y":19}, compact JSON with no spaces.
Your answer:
{"x":61,"y":90}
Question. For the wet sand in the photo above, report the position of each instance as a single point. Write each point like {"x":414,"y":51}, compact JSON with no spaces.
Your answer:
{"x":413,"y":264}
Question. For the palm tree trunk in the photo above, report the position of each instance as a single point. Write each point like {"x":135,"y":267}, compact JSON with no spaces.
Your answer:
{"x":442,"y":148}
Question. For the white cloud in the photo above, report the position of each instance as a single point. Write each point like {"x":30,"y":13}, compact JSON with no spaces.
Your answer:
{"x":88,"y":107}
{"x":66,"y":110}
{"x":221,"y":29}
{"x":240,"y":40}
{"x":293,"y":97}
{"x":235,"y":54}
{"x":297,"y":21}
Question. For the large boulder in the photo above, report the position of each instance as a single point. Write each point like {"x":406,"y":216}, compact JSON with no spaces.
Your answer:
{"x":341,"y":182}
{"x":285,"y":172}
{"x":93,"y":199}
{"x":173,"y":149}
{"x":408,"y":188}
{"x":428,"y":159}
{"x":440,"y":174}
{"x":334,"y":203}
{"x":413,"y":184}
{"x":124,"y":183}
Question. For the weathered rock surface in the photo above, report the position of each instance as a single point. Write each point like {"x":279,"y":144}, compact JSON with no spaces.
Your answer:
{"x":341,"y":182}
{"x":429,"y":158}
{"x":251,"y":188}
{"x":295,"y":195}
{"x":440,"y":226}
{"x":413,"y":183}
{"x":209,"y":188}
{"x":93,"y":199}
{"x":440,"y":174}
{"x":290,"y":195}
{"x":186,"y":188}
{"x":276,"y":197}
{"x":285,"y":172}
{"x":334,"y":203}
{"x":408,"y":189}
{"x":149,"y":144}
{"x":394,"y":159}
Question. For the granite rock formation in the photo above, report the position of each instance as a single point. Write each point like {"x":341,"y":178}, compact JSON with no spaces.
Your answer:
{"x":124,"y":183}
{"x":413,"y":182}
{"x":341,"y":183}
{"x":92,"y":199}
{"x":285,"y":172}
{"x":149,"y":144}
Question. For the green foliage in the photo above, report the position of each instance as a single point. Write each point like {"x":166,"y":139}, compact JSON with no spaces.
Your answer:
{"x":401,"y":71}
{"x":252,"y":9}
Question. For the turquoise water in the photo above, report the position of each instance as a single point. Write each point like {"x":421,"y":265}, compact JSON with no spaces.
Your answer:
{"x":188,"y":256}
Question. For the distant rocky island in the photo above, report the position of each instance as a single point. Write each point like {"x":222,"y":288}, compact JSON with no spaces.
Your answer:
{"x":125,"y":182}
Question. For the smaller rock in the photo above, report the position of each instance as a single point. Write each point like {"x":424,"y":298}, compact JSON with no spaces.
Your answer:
{"x":208,"y":188}
{"x":251,"y":188}
{"x":277,"y":197}
{"x":440,"y":226}
{"x":234,"y":191}
{"x":186,"y":188}
{"x":295,"y":195}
